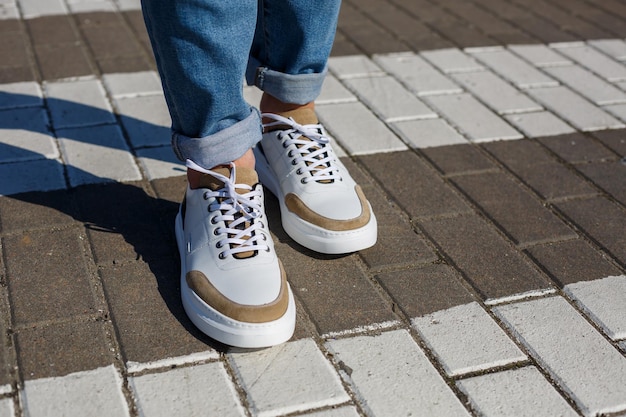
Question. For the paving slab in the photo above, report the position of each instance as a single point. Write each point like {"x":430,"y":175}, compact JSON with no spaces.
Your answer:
{"x":515,"y":392}
{"x":25,"y":135}
{"x":272,"y":380}
{"x":567,"y":350}
{"x":78,"y":104}
{"x":597,"y":62}
{"x":428,"y":133}
{"x":384,"y":370}
{"x":201,"y":389}
{"x":466,"y":339}
{"x":588,"y":85}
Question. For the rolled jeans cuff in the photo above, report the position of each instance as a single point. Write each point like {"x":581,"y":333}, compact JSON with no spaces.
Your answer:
{"x":222,"y":147}
{"x":288,"y":88}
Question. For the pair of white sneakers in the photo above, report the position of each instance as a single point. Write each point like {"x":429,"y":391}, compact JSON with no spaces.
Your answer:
{"x":233,"y":285}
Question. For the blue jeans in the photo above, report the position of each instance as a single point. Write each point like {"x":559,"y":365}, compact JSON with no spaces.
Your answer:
{"x":205,"y":48}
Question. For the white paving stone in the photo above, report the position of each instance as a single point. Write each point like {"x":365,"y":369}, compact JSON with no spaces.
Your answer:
{"x":335,"y":412}
{"x":8,"y":410}
{"x":41,"y":175}
{"x":78,"y":103}
{"x":496,"y":93}
{"x":291,"y":377}
{"x":428,"y":133}
{"x":539,"y":124}
{"x":38,"y":8}
{"x":97,"y":154}
{"x":466,"y":339}
{"x":473,"y":118}
{"x":24,"y":135}
{"x":540,"y":55}
{"x":621,"y":84}
{"x":129,"y":4}
{"x":452,"y":60}
{"x":391,"y":376}
{"x":132,"y":84}
{"x":22,"y":94}
{"x":146,"y":120}
{"x":160,"y":162}
{"x":615,"y":48}
{"x":576,"y":356}
{"x":587,"y":84}
{"x":358,"y":130}
{"x":353,"y":66}
{"x":389,"y":99}
{"x":579,"y":112}
{"x":9,"y":12}
{"x":90,"y":393}
{"x":86,"y":6}
{"x":603,"y":300}
{"x":597,"y":62}
{"x":514,"y":69}
{"x":252,"y":95}
{"x":617,"y":110}
{"x":417,"y":74}
{"x":189,"y":391}
{"x":517,"y":392}
{"x":333,"y":91}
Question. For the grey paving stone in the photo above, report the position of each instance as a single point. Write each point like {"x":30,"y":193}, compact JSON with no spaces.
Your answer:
{"x":496,"y":93}
{"x":25,"y":135}
{"x":539,"y":170}
{"x":37,"y":210}
{"x":132,"y":84}
{"x":614,"y":139}
{"x":473,"y":118}
{"x":147,"y":312}
{"x":537,"y":124}
{"x":388,"y":99}
{"x":587,"y":84}
{"x":574,"y":109}
{"x":384,"y":371}
{"x":458,"y":159}
{"x":41,"y":175}
{"x":605,"y":226}
{"x":501,"y":272}
{"x":428,"y":133}
{"x":47,"y":276}
{"x":572,"y":261}
{"x":37,"y":8}
{"x":96,"y":393}
{"x":618,"y":110}
{"x":578,"y":358}
{"x":466,"y":339}
{"x":288,"y":378}
{"x":426,"y":289}
{"x":369,"y":135}
{"x":198,"y":390}
{"x":353,"y":66}
{"x":520,"y":215}
{"x":333,"y":91}
{"x":515,"y":392}
{"x":417,"y":74}
{"x":514,"y":69}
{"x":335,"y":292}
{"x":54,"y":350}
{"x":160,"y":162}
{"x":145,"y":119}
{"x":577,"y":148}
{"x":452,"y":60}
{"x":615,"y":48}
{"x":540,"y":55}
{"x":62,"y":61}
{"x":78,"y":103}
{"x":20,"y":94}
{"x":429,"y":196}
{"x":7,"y":409}
{"x":597,"y":62}
{"x":97,"y":154}
{"x":7,"y":353}
{"x":602,"y":301}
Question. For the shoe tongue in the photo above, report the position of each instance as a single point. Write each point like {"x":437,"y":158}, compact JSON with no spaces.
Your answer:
{"x":303,"y":116}
{"x":243,"y":175}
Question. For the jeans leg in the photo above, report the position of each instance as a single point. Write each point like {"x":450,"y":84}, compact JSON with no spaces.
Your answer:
{"x":201,"y":48}
{"x":292,"y":43}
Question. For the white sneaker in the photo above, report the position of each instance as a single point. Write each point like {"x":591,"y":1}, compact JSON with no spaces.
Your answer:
{"x":321,"y":206}
{"x":233,"y":286}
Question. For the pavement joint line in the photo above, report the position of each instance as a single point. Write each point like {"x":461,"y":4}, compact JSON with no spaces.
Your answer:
{"x":548,"y":292}
{"x":135,"y":368}
{"x":367,"y":329}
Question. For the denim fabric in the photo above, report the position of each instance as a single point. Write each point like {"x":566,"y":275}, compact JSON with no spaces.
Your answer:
{"x":205,"y":48}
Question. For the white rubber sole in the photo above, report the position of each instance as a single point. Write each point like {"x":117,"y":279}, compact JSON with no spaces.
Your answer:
{"x":223,"y":328}
{"x":309,"y":235}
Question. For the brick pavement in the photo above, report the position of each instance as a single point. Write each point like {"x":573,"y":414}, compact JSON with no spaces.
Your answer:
{"x":489,"y":137}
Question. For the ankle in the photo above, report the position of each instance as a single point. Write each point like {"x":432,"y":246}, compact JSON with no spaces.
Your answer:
{"x":247,"y":160}
{"x":270,"y":104}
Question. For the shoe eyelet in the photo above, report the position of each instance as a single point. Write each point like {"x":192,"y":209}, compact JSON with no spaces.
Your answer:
{"x":303,"y":181}
{"x":216,"y":232}
{"x":205,"y":195}
{"x":299,"y":171}
{"x":218,"y":245}
{"x":212,"y":220}
{"x":221,"y":255}
{"x":293,"y":162}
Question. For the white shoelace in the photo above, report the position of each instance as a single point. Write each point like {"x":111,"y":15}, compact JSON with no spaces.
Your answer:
{"x":311,"y":147}
{"x":243,"y":232}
